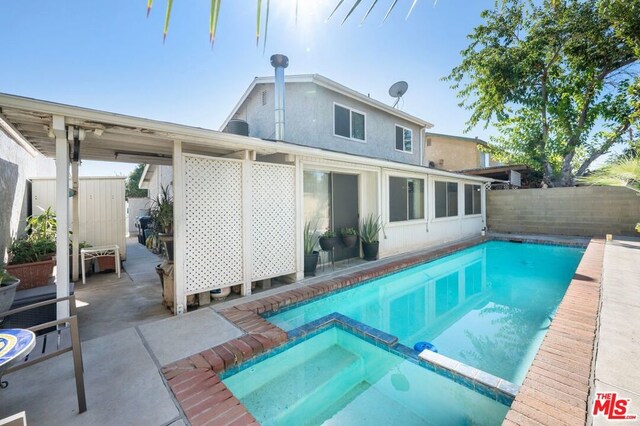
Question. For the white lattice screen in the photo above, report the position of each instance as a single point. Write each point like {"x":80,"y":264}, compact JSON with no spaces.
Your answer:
{"x":213,"y":223}
{"x":273,"y":208}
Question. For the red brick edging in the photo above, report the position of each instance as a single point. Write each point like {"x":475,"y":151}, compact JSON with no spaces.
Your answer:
{"x":556,"y":388}
{"x":194,"y":380}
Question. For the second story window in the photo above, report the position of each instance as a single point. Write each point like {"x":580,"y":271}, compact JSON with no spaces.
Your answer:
{"x":348,"y":123}
{"x":404,"y":139}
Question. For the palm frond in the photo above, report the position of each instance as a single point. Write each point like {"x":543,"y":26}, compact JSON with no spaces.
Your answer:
{"x":335,"y":9}
{"x":390,"y":9}
{"x":411,"y":9}
{"x":258,"y":22}
{"x":213,"y":19}
{"x":355,"y":4}
{"x":369,"y":11}
{"x":266,"y":27}
{"x":624,"y":172}
{"x":166,"y":21}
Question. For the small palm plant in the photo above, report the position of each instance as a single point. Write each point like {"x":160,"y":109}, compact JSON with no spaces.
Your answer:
{"x":311,"y":238}
{"x":623,"y":172}
{"x":370,"y":228}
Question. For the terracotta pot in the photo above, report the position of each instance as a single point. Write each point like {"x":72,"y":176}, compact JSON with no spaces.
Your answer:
{"x":31,"y":275}
{"x":106,"y":263}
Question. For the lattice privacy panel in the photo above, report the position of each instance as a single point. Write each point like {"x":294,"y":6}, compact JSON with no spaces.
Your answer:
{"x":273,"y":208}
{"x":213,"y":223}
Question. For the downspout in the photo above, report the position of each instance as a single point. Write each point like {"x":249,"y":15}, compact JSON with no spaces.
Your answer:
{"x":422,"y":142}
{"x":279,"y":62}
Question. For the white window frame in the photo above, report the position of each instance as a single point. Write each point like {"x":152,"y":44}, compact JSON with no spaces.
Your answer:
{"x":424,"y":198}
{"x":394,"y":136}
{"x":351,"y":110}
{"x":446,"y":218}
{"x":464,"y":198}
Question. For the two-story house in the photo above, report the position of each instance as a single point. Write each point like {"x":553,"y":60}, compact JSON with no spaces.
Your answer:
{"x":324,"y":114}
{"x":449,"y":152}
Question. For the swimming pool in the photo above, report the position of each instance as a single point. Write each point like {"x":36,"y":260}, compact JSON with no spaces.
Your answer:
{"x":487,"y":306}
{"x":337,"y":378}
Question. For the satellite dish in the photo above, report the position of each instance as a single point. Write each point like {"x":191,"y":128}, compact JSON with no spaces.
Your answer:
{"x":397,"y":90}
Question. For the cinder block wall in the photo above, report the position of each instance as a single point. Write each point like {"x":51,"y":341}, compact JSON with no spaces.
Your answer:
{"x":584,"y":211}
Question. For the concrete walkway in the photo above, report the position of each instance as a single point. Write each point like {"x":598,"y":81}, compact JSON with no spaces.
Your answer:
{"x":618,"y":350}
{"x":122,"y":378}
{"x":107,"y":304}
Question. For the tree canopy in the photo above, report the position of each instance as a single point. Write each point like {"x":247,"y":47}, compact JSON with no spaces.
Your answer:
{"x":559,"y":79}
{"x":131,"y":188}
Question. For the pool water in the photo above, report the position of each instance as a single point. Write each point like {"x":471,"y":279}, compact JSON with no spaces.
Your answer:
{"x":336,"y":378}
{"x":488,"y":306}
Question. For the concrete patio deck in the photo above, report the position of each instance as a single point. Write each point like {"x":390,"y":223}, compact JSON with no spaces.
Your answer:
{"x":125,"y":386}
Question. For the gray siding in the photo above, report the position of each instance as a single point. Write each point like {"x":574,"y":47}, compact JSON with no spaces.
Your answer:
{"x":309,"y":121}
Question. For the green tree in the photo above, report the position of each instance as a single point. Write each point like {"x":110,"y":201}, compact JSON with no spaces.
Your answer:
{"x":557,"y":80}
{"x":131,"y":188}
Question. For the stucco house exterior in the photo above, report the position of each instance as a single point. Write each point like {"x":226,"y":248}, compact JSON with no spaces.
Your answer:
{"x":449,"y":152}
{"x":324,"y":114}
{"x":241,"y":202}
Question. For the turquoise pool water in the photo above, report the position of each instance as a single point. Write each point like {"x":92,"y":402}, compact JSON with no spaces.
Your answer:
{"x":336,"y":378}
{"x":488,"y":306}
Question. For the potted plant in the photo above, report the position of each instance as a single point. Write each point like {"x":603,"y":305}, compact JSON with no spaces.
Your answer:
{"x":162,"y":217}
{"x":328,"y":240}
{"x":310,"y":255}
{"x":349,"y":237}
{"x":370,"y":228}
{"x":8,"y":285}
{"x":31,"y":261}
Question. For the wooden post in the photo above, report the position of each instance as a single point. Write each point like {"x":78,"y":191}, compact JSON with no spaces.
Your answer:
{"x":62,"y":214}
{"x":75,"y":223}
{"x":179,"y":240}
{"x":247,"y":254}
{"x":299,"y":182}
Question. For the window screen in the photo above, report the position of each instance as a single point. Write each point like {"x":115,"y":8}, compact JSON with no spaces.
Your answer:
{"x":472,"y":199}
{"x":404,"y":139}
{"x":446,"y":199}
{"x":406,"y":199}
{"x":357,"y":125}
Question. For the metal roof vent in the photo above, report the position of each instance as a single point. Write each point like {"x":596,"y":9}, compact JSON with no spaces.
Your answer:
{"x":279,"y":62}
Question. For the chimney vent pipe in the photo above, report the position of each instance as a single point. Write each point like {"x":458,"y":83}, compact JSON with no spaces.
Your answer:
{"x":279,"y":62}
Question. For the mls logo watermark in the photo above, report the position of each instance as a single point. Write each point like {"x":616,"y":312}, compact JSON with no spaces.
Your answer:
{"x":612,"y":407}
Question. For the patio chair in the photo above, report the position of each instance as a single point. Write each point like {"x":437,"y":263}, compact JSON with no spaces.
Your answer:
{"x":53,"y":342}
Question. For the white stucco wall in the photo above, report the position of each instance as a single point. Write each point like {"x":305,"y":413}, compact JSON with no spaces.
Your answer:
{"x":309,"y":112}
{"x":162,"y":176}
{"x":16,"y":167}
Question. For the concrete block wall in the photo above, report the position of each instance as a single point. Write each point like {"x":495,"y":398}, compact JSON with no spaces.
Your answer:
{"x":583,"y":211}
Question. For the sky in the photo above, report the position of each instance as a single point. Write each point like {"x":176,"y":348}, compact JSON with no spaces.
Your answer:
{"x":107,"y":55}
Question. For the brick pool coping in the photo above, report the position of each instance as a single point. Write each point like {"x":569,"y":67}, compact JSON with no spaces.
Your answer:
{"x":205,"y":400}
{"x":556,"y":387}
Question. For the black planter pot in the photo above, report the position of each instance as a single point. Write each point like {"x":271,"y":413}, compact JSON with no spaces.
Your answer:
{"x":328,"y":244}
{"x":370,"y":250}
{"x":310,"y":263}
{"x":167,"y":241}
{"x":349,"y":240}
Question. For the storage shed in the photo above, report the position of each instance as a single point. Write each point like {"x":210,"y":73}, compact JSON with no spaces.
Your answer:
{"x":102,"y":208}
